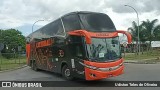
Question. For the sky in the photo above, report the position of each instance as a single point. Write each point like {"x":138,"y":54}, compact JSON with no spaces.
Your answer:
{"x":22,"y":14}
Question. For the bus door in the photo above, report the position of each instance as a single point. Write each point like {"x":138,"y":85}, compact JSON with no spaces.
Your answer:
{"x":77,"y":53}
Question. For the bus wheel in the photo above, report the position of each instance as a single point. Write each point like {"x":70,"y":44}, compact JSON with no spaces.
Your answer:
{"x":66,"y":72}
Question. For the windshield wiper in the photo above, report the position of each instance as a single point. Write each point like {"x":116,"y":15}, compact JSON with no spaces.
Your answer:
{"x":94,"y":59}
{"x":110,"y":61}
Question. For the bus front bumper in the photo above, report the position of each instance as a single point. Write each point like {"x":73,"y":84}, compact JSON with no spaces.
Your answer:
{"x":91,"y":74}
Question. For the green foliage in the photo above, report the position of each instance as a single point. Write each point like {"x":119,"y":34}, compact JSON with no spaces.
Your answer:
{"x":148,"y":31}
{"x":156,"y":34}
{"x":150,"y":27}
{"x":6,"y":64}
{"x":12,"y":39}
{"x":134,"y":31}
{"x":147,"y":55}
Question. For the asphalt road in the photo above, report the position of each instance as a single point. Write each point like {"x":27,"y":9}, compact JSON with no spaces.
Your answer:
{"x":133,"y":72}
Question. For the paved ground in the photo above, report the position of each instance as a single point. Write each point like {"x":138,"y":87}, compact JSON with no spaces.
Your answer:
{"x":133,"y":72}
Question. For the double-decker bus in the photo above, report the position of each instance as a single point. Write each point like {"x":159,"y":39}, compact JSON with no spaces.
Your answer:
{"x":79,"y":44}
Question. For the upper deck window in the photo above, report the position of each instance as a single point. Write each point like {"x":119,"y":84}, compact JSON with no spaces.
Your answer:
{"x":71,"y":22}
{"x":97,"y":22}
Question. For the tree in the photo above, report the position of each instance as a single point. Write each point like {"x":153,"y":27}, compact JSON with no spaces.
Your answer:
{"x":134,"y":32}
{"x":156,"y":34}
{"x":12,"y":39}
{"x":150,"y":27}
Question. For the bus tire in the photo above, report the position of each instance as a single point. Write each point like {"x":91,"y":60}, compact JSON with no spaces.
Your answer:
{"x":66,"y":73}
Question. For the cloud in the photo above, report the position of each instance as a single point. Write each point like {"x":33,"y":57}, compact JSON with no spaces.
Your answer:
{"x":56,"y":8}
{"x":140,"y":5}
{"x":28,"y":11}
{"x":16,"y":13}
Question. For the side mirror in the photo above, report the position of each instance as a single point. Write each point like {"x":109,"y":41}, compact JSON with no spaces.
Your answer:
{"x":28,"y":39}
{"x":129,"y":37}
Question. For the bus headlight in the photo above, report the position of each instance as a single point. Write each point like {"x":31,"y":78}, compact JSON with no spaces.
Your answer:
{"x":92,"y":67}
{"x":88,"y":66}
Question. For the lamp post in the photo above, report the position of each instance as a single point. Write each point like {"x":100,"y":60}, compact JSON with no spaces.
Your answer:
{"x":35,"y":23}
{"x":137,"y":24}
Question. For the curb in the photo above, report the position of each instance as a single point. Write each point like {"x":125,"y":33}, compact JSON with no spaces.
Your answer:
{"x":13,"y":69}
{"x":130,"y":61}
{"x":144,"y":61}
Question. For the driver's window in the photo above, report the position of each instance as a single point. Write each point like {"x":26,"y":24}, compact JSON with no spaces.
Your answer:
{"x":76,"y":46}
{"x":79,"y":51}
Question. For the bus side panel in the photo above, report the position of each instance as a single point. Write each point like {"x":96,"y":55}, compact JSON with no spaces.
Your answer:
{"x":42,"y":54}
{"x":73,"y":60}
{"x":28,"y":52}
{"x":42,"y":58}
{"x":79,"y":70}
{"x":60,"y":57}
{"x":39,"y":57}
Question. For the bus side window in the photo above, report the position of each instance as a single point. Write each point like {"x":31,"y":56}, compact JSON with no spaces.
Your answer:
{"x":79,"y":51}
{"x":76,"y":50}
{"x":76,"y":46}
{"x":71,"y":22}
{"x":55,"y":52}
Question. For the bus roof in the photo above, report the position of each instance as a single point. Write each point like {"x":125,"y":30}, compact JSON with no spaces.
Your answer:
{"x":90,"y":21}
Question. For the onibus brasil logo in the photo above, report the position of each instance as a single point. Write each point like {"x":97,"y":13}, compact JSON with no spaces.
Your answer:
{"x":20,"y":84}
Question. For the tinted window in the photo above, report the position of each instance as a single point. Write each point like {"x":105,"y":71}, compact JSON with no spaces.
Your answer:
{"x":76,"y":46}
{"x":71,"y":22}
{"x":60,"y":30}
{"x":53,"y":28}
{"x":97,"y":22}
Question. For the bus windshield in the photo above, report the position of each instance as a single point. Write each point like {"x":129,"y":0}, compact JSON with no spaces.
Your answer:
{"x":104,"y":49}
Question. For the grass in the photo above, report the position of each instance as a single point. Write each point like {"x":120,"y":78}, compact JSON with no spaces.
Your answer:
{"x":146,"y":55}
{"x":12,"y":63}
{"x":6,"y":64}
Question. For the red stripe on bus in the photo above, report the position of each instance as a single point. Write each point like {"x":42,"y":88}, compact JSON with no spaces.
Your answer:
{"x":44,"y":43}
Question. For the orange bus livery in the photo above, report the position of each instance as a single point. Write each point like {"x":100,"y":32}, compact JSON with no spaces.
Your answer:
{"x":79,"y":44}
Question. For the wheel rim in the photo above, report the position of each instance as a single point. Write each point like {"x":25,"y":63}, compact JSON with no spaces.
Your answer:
{"x":67,"y":72}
